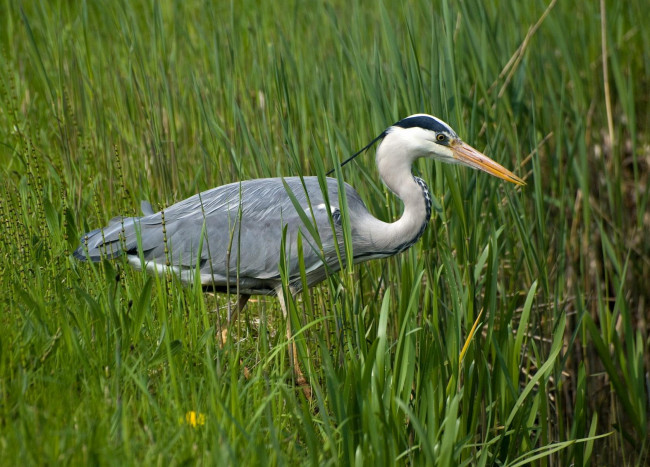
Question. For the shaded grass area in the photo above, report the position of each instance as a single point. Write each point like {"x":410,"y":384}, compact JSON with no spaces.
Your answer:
{"x":103,"y":104}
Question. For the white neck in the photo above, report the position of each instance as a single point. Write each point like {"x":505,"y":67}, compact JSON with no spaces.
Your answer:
{"x":394,"y":159}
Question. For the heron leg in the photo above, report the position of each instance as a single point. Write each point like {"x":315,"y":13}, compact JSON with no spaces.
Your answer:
{"x":242,"y":300}
{"x":293,"y":350}
{"x":233,"y":313}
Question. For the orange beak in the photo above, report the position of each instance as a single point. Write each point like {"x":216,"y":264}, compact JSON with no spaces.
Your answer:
{"x":467,"y":155}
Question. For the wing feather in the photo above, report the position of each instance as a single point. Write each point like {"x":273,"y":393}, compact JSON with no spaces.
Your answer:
{"x":232,"y":231}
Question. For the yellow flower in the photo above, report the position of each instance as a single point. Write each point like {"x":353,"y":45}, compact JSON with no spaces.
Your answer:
{"x":193,"y":419}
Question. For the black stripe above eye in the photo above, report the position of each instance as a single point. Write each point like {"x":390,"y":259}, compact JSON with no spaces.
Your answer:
{"x":423,"y":121}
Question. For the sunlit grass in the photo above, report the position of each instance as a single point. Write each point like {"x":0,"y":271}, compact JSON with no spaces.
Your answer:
{"x":513,"y":331}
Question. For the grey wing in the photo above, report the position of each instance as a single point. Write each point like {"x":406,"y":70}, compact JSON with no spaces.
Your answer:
{"x":235,"y":233}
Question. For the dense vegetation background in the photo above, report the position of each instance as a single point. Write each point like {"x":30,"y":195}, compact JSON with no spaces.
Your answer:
{"x":106,"y":103}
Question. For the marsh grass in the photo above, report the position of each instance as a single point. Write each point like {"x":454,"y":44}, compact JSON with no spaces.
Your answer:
{"x":543,"y":290}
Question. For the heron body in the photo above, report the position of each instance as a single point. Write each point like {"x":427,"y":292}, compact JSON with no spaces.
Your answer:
{"x":233,"y":233}
{"x":231,"y":237}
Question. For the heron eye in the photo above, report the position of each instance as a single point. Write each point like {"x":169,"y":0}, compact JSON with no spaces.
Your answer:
{"x":441,"y":137}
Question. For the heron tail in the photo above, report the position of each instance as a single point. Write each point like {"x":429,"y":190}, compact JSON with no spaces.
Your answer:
{"x":108,"y":242}
{"x":117,"y":238}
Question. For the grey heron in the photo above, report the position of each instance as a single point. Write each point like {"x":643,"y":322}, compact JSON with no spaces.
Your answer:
{"x":232,"y":237}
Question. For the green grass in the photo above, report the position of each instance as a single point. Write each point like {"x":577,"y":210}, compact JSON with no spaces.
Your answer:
{"x":103,"y":104}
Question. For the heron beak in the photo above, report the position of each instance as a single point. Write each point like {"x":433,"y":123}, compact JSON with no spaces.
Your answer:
{"x":467,"y":155}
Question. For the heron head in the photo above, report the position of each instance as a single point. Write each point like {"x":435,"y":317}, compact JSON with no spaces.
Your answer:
{"x":428,"y":136}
